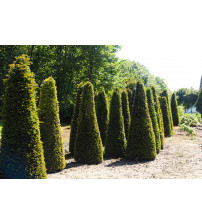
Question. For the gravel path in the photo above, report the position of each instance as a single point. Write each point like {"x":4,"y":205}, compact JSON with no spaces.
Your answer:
{"x":181,"y":158}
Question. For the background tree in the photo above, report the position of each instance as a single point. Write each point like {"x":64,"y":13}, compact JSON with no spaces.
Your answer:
{"x":21,"y":146}
{"x":88,"y":144}
{"x":199,"y":103}
{"x":126,"y":111}
{"x":51,"y":135}
{"x":174,"y":109}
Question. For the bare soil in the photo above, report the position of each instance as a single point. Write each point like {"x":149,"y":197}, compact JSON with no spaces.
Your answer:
{"x":181,"y":158}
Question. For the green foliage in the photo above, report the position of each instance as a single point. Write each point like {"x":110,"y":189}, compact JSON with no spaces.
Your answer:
{"x":199,"y":103}
{"x":130,"y":98}
{"x":141,"y":140}
{"x":181,"y":110}
{"x":166,"y":117}
{"x":153,"y":116}
{"x":21,"y":148}
{"x":189,"y":120}
{"x":50,"y":127}
{"x":159,"y":116}
{"x":102,"y":113}
{"x":88,"y":143}
{"x":74,"y":123}
{"x":126,"y":111}
{"x":164,"y":93}
{"x":188,"y":129}
{"x":174,"y":109}
{"x":1,"y":125}
{"x":115,"y":145}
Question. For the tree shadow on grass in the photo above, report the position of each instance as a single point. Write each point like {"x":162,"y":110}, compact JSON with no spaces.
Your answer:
{"x":124,"y":162}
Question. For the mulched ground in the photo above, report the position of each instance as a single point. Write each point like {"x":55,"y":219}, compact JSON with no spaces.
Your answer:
{"x":181,"y":158}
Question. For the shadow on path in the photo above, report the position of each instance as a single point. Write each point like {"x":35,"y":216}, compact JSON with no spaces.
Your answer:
{"x":124,"y":162}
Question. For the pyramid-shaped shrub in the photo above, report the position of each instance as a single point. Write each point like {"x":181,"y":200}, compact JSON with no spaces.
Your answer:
{"x":102,"y":113}
{"x":166,"y":117}
{"x":153,"y":116}
{"x":75,"y":117}
{"x":159,"y":116}
{"x":115,"y":145}
{"x":174,"y":109}
{"x":21,"y":147}
{"x":164,"y":93}
{"x":50,"y":127}
{"x":130,"y":98}
{"x":88,"y":143}
{"x":141,"y":139}
{"x":126,"y":111}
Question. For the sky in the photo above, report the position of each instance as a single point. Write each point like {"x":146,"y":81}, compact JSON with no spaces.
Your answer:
{"x":180,"y":67}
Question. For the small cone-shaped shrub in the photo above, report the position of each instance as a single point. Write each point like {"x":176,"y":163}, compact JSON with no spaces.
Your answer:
{"x":21,"y":147}
{"x":153,"y":116}
{"x":50,"y":127}
{"x":102,"y":112}
{"x":159,"y":116}
{"x":166,"y":117}
{"x":115,"y":145}
{"x":174,"y":108}
{"x":141,"y":139}
{"x":199,"y":103}
{"x":164,"y":93}
{"x":126,"y":111}
{"x":88,"y":144}
{"x":74,"y":122}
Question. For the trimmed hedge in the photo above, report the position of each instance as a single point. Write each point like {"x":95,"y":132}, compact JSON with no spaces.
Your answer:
{"x":21,"y":147}
{"x":126,"y":111}
{"x":141,"y":140}
{"x":50,"y":126}
{"x":153,"y":116}
{"x":115,"y":145}
{"x":174,"y":108}
{"x":166,"y":117}
{"x":102,"y":113}
{"x":159,"y":116}
{"x":74,"y":123}
{"x":88,"y":144}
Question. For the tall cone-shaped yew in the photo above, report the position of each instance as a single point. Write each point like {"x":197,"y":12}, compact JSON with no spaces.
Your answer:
{"x":102,"y":112}
{"x":174,"y":108}
{"x":21,"y":147}
{"x":88,"y":144}
{"x":116,"y":141}
{"x":159,"y":116}
{"x":166,"y":117}
{"x":50,"y":127}
{"x":126,"y":111}
{"x":141,"y":140}
{"x":153,"y":116}
{"x":75,"y":117}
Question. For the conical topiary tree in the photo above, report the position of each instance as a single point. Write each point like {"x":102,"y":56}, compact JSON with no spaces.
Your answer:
{"x":115,"y":145}
{"x":102,"y":113}
{"x":126,"y":111}
{"x":88,"y":144}
{"x":21,"y":147}
{"x":50,"y":127}
{"x":153,"y":116}
{"x":74,"y":122}
{"x":166,"y":117}
{"x":159,"y":116}
{"x":174,"y":109}
{"x":199,"y":103}
{"x":164,"y":93}
{"x":141,"y":139}
{"x":130,"y":95}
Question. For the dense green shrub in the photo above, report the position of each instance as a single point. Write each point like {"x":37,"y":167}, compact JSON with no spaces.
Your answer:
{"x":74,"y":122}
{"x":174,"y":109}
{"x":88,"y":144}
{"x":50,"y":127}
{"x":141,"y":139}
{"x":153,"y":116}
{"x":102,"y":113}
{"x":21,"y":146}
{"x":130,"y":95}
{"x":159,"y":116}
{"x":166,"y":117}
{"x":189,"y":120}
{"x":187,"y":128}
{"x":115,"y":145}
{"x":164,"y":93}
{"x":126,"y":111}
{"x":199,"y":103}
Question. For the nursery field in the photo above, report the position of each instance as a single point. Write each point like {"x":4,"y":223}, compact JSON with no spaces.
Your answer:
{"x":180,"y":158}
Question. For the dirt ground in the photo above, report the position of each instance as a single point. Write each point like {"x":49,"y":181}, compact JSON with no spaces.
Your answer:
{"x":180,"y":158}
